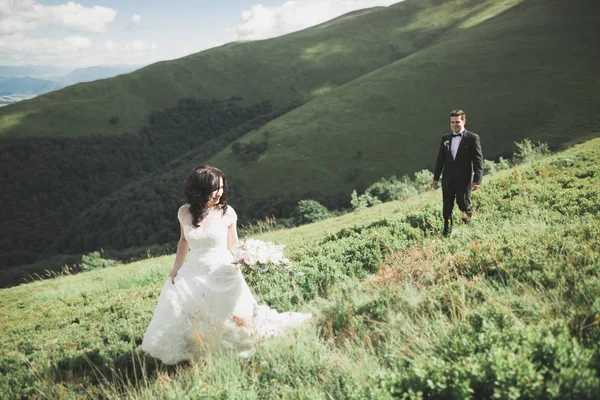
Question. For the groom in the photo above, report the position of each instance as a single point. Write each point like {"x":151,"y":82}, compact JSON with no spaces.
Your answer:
{"x":461,"y":159}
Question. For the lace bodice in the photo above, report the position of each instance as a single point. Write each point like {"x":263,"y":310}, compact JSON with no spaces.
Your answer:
{"x":211,"y":235}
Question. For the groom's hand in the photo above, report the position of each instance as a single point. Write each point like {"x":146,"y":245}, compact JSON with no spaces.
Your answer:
{"x":434,"y":184}
{"x":475,"y":186}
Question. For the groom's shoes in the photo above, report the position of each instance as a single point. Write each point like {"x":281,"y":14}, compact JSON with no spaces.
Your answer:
{"x":447,"y":228}
{"x":466,"y":217}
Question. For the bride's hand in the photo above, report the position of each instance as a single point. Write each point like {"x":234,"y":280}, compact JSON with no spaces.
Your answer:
{"x":172,"y":275}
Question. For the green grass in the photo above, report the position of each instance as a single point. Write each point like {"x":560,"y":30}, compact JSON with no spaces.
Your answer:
{"x":508,"y":307}
{"x":294,"y":67}
{"x":501,"y":64}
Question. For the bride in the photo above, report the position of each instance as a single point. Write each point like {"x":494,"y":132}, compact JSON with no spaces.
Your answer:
{"x":205,"y":303}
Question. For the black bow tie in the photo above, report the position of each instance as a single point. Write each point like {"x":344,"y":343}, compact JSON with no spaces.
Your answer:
{"x":456,"y":135}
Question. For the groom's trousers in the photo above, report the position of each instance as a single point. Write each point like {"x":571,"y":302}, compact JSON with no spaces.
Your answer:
{"x":462,"y":195}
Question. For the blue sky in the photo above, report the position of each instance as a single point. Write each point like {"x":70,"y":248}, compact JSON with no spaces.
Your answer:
{"x":139,"y":32}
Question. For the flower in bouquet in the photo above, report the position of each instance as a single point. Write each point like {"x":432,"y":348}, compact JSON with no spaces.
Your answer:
{"x":256,"y":255}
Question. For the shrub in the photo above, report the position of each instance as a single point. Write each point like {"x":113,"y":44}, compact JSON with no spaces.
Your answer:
{"x":92,"y":261}
{"x":425,"y":219}
{"x":363,"y":201}
{"x":500,"y":363}
{"x":309,"y":211}
{"x":529,"y":151}
{"x":392,"y":189}
{"x":491,"y":167}
{"x":423,"y":180}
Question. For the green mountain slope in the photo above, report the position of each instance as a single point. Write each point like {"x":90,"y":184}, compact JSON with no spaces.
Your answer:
{"x":288,"y":69}
{"x":529,"y":72}
{"x":387,"y":122}
{"x":63,"y":181}
{"x":520,"y":69}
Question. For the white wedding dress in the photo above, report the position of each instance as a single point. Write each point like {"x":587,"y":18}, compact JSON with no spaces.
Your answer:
{"x":210,"y":306}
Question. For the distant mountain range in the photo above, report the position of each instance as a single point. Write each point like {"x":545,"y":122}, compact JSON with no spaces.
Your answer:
{"x":36,"y":71}
{"x":25,"y":82}
{"x":94,"y":73}
{"x":26,"y":85}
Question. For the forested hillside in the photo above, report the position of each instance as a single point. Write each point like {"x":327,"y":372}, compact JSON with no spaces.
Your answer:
{"x":45,"y":190}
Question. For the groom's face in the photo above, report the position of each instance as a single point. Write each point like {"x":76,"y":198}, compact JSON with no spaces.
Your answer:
{"x":457,"y":124}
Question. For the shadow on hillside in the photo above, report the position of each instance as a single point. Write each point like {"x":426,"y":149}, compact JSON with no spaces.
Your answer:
{"x":130,"y":370}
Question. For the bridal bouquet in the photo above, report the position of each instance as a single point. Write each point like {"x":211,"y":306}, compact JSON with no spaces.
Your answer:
{"x":256,"y":255}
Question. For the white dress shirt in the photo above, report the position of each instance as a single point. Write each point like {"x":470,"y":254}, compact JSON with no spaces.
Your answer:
{"x":455,"y":142}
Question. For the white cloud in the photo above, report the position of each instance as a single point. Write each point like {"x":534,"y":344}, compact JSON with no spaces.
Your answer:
{"x":132,"y":52}
{"x":76,"y":16}
{"x":16,"y":47}
{"x":262,"y":22}
{"x":10,"y":25}
{"x":73,"y":51}
{"x":137,"y":48}
{"x":21,"y":15}
{"x":31,"y":32}
{"x":109,"y":45}
{"x":14,"y":16}
{"x":136,"y":18}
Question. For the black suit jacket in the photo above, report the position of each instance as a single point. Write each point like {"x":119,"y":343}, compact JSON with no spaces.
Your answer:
{"x":467,"y":168}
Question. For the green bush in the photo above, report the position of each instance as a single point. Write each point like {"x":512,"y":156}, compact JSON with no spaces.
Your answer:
{"x":391,"y":189}
{"x":426,"y":219}
{"x":363,"y":201}
{"x":94,"y":260}
{"x":309,"y":211}
{"x":532,"y":363}
{"x":423,"y":180}
{"x":529,"y":151}
{"x":491,"y":167}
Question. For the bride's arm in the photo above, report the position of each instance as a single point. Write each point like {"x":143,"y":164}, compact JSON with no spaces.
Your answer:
{"x":232,"y":238}
{"x":182,"y":249}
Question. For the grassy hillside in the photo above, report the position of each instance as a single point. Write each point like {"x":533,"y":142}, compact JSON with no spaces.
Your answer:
{"x":527,"y":72}
{"x":506,"y":307}
{"x":497,"y":63}
{"x":381,"y":82}
{"x":283,"y":70}
{"x":72,"y":179}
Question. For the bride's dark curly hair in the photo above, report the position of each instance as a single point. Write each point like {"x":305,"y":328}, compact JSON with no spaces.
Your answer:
{"x":198,"y":188}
